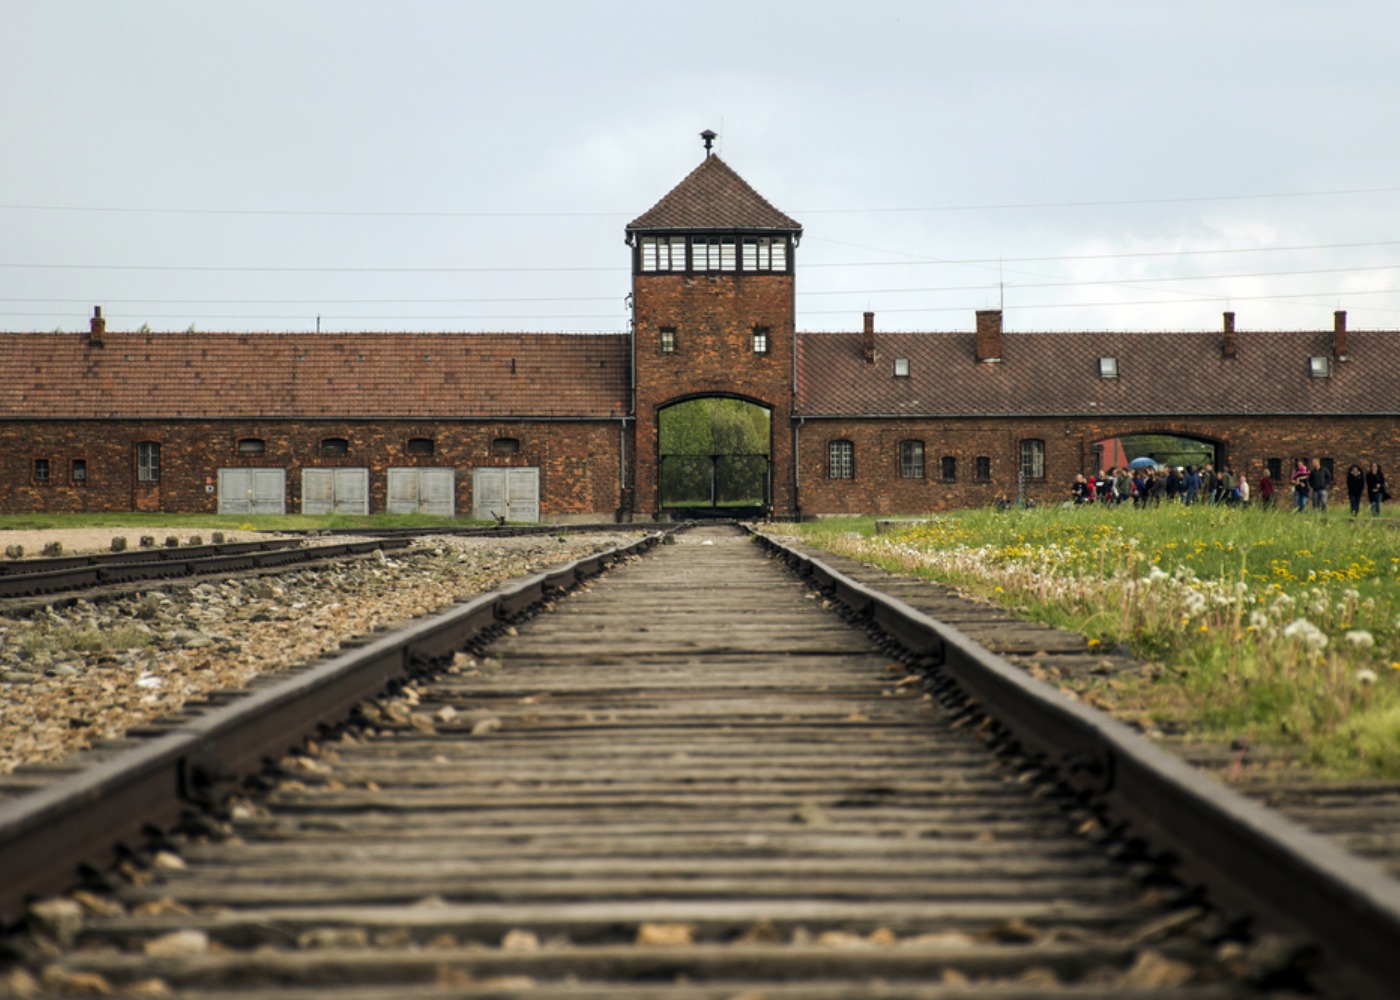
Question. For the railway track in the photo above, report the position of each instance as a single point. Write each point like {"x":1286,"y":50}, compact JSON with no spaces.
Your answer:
{"x":692,"y":779}
{"x":41,"y":577}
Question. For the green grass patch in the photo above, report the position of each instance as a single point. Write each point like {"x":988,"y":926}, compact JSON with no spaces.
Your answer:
{"x":1271,"y":626}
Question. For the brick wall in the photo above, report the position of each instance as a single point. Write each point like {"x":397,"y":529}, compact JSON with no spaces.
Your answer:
{"x":579,"y":462}
{"x":1246,"y":443}
{"x":714,"y":317}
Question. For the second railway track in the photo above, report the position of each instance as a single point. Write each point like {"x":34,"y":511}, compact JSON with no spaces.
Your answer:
{"x":691,"y":781}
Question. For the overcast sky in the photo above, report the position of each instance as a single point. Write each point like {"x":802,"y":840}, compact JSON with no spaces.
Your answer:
{"x":440,"y":165}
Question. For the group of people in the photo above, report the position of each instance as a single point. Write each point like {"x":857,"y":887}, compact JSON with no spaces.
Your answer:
{"x":1311,"y":481}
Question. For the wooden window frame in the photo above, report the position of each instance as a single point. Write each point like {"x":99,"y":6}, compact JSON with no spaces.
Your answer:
{"x":148,"y":462}
{"x":912,"y":459}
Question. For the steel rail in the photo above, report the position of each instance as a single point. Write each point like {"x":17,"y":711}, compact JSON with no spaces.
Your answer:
{"x":48,"y":835}
{"x":82,"y":572}
{"x":1254,"y":860}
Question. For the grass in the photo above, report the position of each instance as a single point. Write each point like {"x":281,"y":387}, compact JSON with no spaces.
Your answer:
{"x":154,"y":523}
{"x":1270,"y":626}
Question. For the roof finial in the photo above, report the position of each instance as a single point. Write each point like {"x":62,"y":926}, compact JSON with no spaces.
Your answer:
{"x":709,"y":136}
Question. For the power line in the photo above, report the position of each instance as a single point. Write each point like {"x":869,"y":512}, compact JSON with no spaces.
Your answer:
{"x":1124,"y":255}
{"x":986,"y":207}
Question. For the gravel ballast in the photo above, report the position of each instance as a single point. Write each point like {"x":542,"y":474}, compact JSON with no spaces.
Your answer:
{"x":73,"y":675}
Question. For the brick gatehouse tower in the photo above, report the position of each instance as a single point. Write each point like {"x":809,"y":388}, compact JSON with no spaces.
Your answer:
{"x":713,"y":316}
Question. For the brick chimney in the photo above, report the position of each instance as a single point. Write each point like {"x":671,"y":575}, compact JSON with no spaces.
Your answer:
{"x":988,"y":335}
{"x":98,"y":327}
{"x":867,"y":340}
{"x":1339,"y":334}
{"x":1230,"y":344}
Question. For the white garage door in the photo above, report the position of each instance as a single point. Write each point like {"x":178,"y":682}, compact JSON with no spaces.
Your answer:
{"x":252,"y":491}
{"x":335,"y":491}
{"x":513,"y":494}
{"x":422,"y":491}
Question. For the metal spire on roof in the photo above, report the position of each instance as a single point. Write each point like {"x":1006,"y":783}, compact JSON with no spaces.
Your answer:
{"x":709,"y":136}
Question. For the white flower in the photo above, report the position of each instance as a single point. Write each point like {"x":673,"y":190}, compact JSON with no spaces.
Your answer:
{"x":1366,"y":676}
{"x":1360,"y":638}
{"x":1305,"y":632}
{"x":1157,"y":573}
{"x":1258,"y":620}
{"x":1194,"y":603}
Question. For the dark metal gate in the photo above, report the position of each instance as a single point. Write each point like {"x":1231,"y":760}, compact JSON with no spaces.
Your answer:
{"x":715,"y":485}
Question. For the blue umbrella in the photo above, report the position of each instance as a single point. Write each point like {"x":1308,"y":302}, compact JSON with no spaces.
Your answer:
{"x":1143,"y":463}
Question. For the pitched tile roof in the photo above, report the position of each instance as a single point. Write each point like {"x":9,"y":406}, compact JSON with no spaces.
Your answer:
{"x":713,"y":196}
{"x":1058,"y":374}
{"x":352,"y":376}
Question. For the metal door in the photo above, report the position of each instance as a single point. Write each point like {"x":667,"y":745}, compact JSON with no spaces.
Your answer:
{"x":252,"y":491}
{"x":513,"y":494}
{"x":423,"y":491}
{"x":335,"y":491}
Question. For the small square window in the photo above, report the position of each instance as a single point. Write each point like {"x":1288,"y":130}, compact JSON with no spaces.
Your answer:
{"x":760,"y":340}
{"x":1320,"y":366}
{"x":668,"y":340}
{"x":1108,"y":367}
{"x":79,"y":470}
{"x":901,"y":367}
{"x":41,"y":470}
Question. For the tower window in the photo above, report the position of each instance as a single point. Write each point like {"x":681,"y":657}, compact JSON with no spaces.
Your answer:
{"x":662,"y":253}
{"x":841,"y":460}
{"x":760,"y":340}
{"x":712,"y":253}
{"x":668,"y":340}
{"x":764,"y":253}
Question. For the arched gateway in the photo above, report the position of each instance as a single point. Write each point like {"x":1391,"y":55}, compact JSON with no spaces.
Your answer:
{"x":713,"y":458}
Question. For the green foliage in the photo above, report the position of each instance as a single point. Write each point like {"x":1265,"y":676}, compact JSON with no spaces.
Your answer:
{"x":1276,"y":627}
{"x":1169,"y":449}
{"x":692,"y":437}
